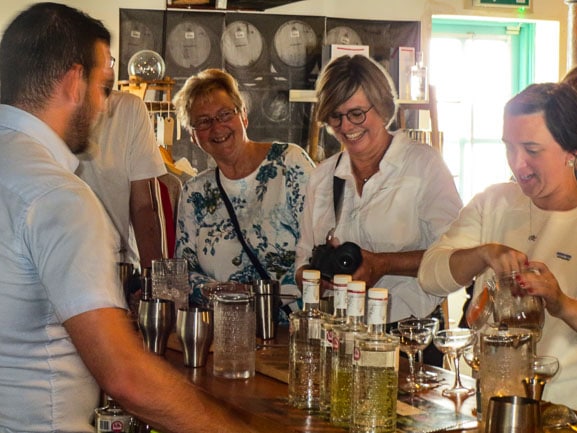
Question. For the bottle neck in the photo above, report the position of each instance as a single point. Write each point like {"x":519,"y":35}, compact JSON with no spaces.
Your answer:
{"x":376,"y":316}
{"x":355,"y":308}
{"x":340,"y":301}
{"x":311,"y":289}
{"x":376,"y":329}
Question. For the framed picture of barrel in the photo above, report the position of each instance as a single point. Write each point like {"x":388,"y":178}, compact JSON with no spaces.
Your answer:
{"x":268,"y":54}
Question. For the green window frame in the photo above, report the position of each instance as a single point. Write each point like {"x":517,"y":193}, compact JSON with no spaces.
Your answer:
{"x":522,"y":37}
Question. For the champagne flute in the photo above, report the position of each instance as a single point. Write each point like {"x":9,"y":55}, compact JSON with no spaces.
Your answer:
{"x":412,"y":339}
{"x":544,"y":368}
{"x":453,"y":342}
{"x":423,"y":377}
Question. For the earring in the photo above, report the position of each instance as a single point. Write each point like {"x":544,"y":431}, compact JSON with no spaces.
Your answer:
{"x":570,"y":163}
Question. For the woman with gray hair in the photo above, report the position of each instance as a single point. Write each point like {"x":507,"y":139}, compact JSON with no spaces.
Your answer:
{"x":397,"y":196}
{"x":257,"y":187}
{"x":529,"y":222}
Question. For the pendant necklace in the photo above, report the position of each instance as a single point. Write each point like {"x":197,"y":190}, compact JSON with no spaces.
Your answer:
{"x":532,"y":236}
{"x":536,"y":222}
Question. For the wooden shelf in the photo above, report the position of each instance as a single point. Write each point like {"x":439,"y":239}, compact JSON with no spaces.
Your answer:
{"x":431,"y":107}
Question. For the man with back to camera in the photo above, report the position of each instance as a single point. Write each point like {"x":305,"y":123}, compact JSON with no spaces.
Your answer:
{"x":63,"y":325}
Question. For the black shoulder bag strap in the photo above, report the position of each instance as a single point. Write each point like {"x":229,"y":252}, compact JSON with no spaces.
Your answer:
{"x":251,"y":255}
{"x":338,"y":185}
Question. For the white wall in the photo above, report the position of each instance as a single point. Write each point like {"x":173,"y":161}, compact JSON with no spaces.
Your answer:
{"x":422,"y":10}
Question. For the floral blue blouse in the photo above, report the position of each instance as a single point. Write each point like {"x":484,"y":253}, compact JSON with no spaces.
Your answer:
{"x":268,"y":204}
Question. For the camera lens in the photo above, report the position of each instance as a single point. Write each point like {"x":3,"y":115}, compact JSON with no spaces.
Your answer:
{"x":347,"y":258}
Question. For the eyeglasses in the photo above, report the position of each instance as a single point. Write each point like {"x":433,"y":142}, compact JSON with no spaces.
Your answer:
{"x":112,"y":62}
{"x":206,"y":122}
{"x":356,"y":116}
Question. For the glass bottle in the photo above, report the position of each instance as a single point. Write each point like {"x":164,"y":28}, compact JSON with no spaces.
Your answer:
{"x":339,"y":317}
{"x":112,"y":418}
{"x":342,"y":360}
{"x":419,"y":80}
{"x":305,"y":346}
{"x":375,"y":371}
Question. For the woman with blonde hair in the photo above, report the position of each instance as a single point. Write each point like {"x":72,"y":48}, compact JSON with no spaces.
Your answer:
{"x":239,"y":221}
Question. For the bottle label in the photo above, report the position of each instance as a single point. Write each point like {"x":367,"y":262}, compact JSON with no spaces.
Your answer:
{"x":356,"y":304}
{"x":340,"y":296}
{"x":376,"y":312}
{"x":327,"y":338}
{"x":389,"y":358}
{"x":109,"y":424}
{"x":310,"y":292}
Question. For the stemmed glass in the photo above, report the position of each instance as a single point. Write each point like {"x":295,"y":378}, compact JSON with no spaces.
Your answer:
{"x":423,"y":377}
{"x":412,"y":339}
{"x":452,"y":342}
{"x":544,"y":369}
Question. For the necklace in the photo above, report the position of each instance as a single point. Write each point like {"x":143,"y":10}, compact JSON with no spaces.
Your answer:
{"x":533,"y":231}
{"x":532,"y":236}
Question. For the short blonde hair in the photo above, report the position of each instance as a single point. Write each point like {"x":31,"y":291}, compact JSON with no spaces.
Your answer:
{"x":200,"y":87}
{"x":343,"y":76}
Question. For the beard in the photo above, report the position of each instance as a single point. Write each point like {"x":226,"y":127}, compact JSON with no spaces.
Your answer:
{"x":78,"y":133}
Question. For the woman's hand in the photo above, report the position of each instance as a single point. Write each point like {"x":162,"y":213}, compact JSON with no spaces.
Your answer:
{"x":467,"y":263}
{"x":544,"y":284}
{"x":503,"y":259}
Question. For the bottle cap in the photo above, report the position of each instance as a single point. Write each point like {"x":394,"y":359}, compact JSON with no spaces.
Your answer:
{"x":378,"y":293}
{"x":311,"y":274}
{"x":356,"y":286}
{"x":342,"y":279}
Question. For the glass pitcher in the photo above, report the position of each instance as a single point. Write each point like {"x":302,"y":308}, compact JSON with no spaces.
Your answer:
{"x":514,"y":307}
{"x":505,"y":360}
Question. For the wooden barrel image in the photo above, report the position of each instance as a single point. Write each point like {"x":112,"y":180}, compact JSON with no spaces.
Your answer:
{"x":189,"y":45}
{"x":135,"y":36}
{"x":243,"y":48}
{"x":277,"y":108}
{"x":295,"y":42}
{"x":343,"y":35}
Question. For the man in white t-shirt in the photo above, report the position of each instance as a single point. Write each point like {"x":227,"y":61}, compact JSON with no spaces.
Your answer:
{"x":121,"y":167}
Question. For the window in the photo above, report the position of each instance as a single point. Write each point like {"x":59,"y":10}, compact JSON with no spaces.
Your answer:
{"x":476,"y":67}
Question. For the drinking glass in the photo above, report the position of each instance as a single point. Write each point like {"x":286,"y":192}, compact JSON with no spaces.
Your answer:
{"x":210,"y":289}
{"x":453,"y":342}
{"x":170,"y":281}
{"x":471,"y":355}
{"x":412,"y":339}
{"x":423,"y":377}
{"x":543,"y":368}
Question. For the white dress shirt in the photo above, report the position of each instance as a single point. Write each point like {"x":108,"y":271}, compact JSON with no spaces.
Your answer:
{"x":405,"y":206}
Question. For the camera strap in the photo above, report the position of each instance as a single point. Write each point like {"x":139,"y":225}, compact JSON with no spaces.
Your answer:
{"x":338,"y":185}
{"x":249,"y":252}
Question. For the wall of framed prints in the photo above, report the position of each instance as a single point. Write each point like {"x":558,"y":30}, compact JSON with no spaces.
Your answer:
{"x":268,"y":55}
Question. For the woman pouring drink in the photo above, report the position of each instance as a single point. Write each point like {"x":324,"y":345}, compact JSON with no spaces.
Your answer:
{"x":528,"y":223}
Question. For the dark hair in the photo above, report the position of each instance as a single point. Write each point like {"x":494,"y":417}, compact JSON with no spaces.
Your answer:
{"x":343,"y":76}
{"x":200,"y":87}
{"x":571,"y":77}
{"x":557,"y":102}
{"x":40,"y":46}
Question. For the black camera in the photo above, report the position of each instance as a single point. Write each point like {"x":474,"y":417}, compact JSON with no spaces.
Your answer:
{"x":344,"y":259}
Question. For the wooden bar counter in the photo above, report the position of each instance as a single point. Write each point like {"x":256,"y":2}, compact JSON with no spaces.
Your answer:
{"x":262,"y":401}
